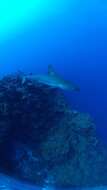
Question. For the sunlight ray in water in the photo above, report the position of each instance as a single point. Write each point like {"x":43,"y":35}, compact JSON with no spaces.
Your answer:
{"x":16,"y":14}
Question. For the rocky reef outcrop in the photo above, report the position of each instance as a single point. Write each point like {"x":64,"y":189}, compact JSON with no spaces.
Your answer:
{"x":44,"y":141}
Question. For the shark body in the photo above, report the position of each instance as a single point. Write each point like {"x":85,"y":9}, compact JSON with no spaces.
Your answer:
{"x":53,"y":80}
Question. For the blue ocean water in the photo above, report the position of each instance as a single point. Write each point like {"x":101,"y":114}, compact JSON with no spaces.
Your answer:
{"x":71,"y":35}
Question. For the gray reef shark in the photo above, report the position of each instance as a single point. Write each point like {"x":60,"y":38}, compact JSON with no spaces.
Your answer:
{"x":53,"y":80}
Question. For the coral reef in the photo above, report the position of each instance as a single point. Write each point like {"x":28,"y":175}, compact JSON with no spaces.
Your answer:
{"x":44,"y":141}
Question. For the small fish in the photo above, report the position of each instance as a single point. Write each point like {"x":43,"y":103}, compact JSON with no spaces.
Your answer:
{"x":53,"y":80}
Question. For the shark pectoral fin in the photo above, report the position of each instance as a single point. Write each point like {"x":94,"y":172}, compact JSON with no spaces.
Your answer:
{"x":23,"y":80}
{"x":51,"y":71}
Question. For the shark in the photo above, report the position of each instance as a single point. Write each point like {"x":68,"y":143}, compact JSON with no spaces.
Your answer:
{"x":53,"y":80}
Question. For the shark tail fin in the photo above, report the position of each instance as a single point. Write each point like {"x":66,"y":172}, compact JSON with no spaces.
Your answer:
{"x":51,"y":71}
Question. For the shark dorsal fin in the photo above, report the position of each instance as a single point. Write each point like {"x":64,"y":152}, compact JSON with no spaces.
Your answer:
{"x":51,"y":71}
